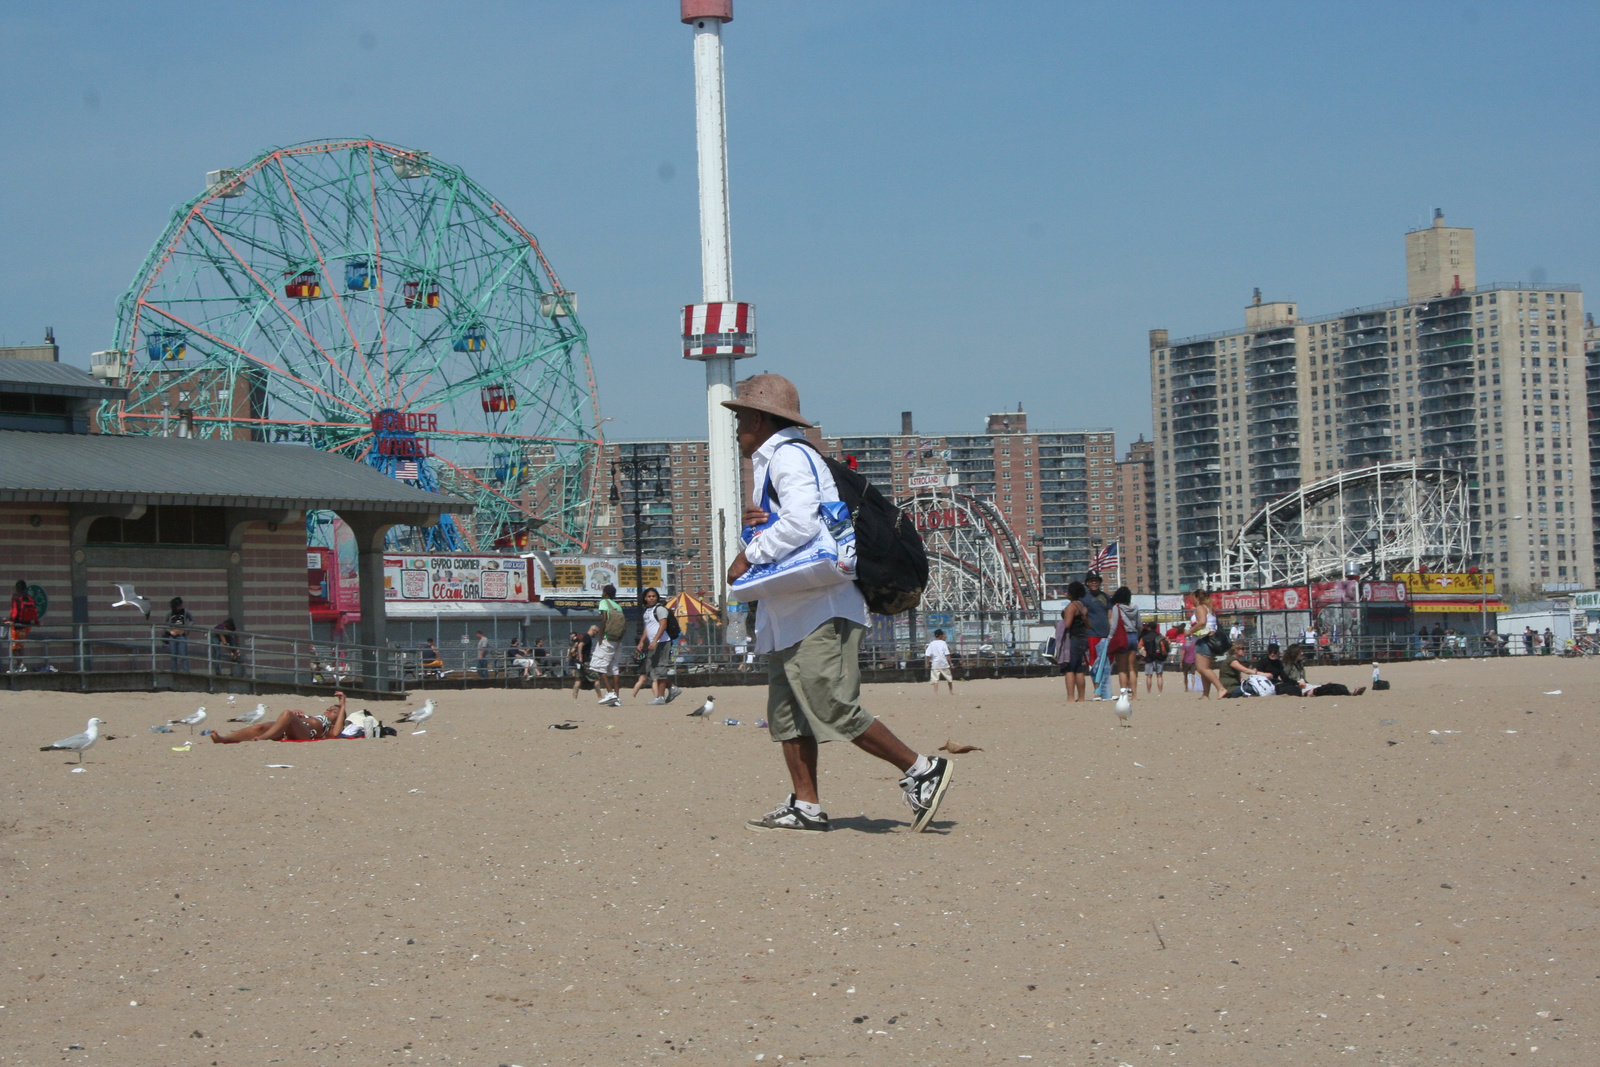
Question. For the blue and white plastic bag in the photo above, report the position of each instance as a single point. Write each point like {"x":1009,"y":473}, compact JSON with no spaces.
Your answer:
{"x":827,"y":559}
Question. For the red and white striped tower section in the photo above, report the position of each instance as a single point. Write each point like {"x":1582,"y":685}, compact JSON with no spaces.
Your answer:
{"x":717,"y":331}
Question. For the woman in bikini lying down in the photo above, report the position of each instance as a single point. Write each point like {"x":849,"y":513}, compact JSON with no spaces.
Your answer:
{"x":295,"y":725}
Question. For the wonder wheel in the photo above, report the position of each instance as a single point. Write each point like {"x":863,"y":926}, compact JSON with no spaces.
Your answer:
{"x":368,"y":299}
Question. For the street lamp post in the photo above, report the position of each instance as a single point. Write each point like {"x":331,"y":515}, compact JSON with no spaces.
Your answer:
{"x":1038,"y":553}
{"x":635,"y":468}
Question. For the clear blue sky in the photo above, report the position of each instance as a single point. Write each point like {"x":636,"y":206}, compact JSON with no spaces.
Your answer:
{"x":937,"y":206}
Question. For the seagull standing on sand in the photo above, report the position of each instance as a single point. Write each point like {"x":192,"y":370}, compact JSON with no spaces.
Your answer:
{"x":1125,"y":708}
{"x":704,"y":709}
{"x":250,"y":718}
{"x":79,"y":743}
{"x":191,"y":720}
{"x":417,"y":716}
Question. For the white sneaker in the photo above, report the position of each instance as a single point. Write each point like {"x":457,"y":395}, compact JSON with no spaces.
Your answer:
{"x":611,"y":700}
{"x":672,"y":694}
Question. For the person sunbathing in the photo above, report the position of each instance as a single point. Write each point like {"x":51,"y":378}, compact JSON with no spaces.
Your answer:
{"x":294,"y":725}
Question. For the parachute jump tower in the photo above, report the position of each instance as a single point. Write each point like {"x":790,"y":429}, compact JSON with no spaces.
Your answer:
{"x":717,"y":331}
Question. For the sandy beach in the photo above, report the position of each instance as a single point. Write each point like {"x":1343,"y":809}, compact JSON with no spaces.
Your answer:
{"x":1399,"y":878}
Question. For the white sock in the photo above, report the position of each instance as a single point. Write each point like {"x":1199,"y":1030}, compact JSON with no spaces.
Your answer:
{"x":922,"y":766}
{"x":808,"y":809}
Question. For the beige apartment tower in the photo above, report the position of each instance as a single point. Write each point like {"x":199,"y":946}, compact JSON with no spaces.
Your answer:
{"x":1439,"y":261}
{"x":1486,"y":378}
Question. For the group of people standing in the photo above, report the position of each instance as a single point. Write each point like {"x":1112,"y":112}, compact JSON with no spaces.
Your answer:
{"x":1098,"y":636}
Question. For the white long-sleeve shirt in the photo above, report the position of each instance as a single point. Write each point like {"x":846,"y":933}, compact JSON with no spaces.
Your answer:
{"x":782,"y":621}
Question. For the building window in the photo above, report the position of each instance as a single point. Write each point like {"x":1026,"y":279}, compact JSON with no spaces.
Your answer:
{"x":163,"y":524}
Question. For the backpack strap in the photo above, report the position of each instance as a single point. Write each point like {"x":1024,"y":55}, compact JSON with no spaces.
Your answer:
{"x":768,"y":493}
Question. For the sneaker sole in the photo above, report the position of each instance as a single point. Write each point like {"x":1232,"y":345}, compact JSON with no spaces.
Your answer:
{"x":938,"y":798}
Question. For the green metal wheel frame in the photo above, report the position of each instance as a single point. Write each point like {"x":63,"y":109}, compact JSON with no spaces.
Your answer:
{"x":321,"y":284}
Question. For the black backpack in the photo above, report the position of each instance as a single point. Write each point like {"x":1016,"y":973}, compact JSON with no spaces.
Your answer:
{"x":674,"y":630}
{"x":891,"y":564}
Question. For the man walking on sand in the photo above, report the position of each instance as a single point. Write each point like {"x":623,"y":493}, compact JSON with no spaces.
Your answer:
{"x":613,"y":624}
{"x":812,"y":637}
{"x":938,"y":654}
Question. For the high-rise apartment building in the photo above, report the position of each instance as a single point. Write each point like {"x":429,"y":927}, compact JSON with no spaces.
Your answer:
{"x":1591,"y":355}
{"x":1484,"y":378}
{"x":1056,"y":489}
{"x":1136,"y":510}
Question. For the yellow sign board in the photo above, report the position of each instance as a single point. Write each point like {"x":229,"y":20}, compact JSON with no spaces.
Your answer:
{"x":1447,"y":584}
{"x":1456,"y":607}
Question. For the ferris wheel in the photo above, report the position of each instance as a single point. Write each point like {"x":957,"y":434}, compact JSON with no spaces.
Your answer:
{"x":368,"y":299}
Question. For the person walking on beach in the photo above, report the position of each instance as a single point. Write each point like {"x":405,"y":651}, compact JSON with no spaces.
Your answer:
{"x":938,"y":655}
{"x":1203,"y":632}
{"x":655,"y":650}
{"x":613,"y":624}
{"x":812,"y":637}
{"x":1153,"y":651}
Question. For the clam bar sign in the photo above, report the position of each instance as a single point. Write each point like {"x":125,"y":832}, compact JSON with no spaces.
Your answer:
{"x":456,"y":578}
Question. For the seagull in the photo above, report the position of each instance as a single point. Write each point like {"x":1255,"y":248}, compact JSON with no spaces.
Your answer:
{"x":704,"y":709}
{"x":417,"y":716}
{"x":79,"y":743}
{"x":250,"y":718}
{"x":191,"y":720}
{"x":131,"y":599}
{"x":1125,"y":708}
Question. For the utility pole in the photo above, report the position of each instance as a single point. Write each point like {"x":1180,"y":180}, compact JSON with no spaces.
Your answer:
{"x":718,"y":330}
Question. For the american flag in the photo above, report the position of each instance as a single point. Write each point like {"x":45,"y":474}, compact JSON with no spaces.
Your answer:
{"x":407,"y":469}
{"x":1106,"y":560}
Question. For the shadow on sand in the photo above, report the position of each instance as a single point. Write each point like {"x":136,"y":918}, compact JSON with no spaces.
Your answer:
{"x":863,"y":824}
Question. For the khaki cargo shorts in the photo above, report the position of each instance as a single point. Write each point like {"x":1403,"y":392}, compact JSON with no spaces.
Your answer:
{"x":814,"y":687}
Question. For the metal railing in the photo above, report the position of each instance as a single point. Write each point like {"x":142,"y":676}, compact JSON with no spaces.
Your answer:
{"x":143,"y":655}
{"x":148,"y":650}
